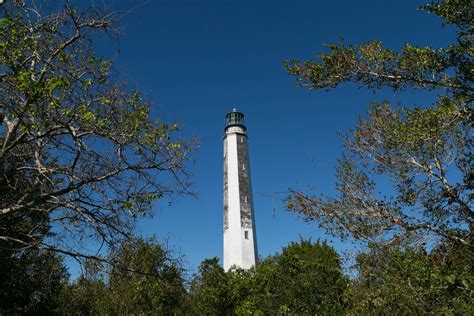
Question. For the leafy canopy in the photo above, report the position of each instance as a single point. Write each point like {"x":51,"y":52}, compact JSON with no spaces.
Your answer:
{"x":305,"y":279}
{"x":88,"y":154}
{"x":426,"y":152}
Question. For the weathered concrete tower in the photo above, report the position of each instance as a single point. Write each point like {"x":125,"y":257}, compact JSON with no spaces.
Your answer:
{"x":240,"y":242}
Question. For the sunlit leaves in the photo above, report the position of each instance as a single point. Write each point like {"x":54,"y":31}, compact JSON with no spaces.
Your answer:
{"x":458,"y":12}
{"x":374,"y":66}
{"x":98,"y":157}
{"x":421,"y":155}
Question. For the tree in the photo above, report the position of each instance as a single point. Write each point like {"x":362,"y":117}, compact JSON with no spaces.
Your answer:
{"x":399,"y":281}
{"x":142,"y":279}
{"x":88,"y":157}
{"x":31,"y":282}
{"x":157,"y":288}
{"x":84,"y":297}
{"x":32,"y":279}
{"x":19,"y":228}
{"x":305,"y":279}
{"x":210,"y":290}
{"x":425,"y":151}
{"x":88,"y":295}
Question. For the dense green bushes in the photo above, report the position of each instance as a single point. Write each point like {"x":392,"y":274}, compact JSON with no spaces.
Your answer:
{"x":306,"y":278}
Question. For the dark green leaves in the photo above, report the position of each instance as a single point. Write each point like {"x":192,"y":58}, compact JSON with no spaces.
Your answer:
{"x":410,"y":281}
{"x":305,"y":279}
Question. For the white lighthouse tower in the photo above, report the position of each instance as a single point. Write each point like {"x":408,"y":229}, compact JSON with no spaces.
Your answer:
{"x":240,"y":242}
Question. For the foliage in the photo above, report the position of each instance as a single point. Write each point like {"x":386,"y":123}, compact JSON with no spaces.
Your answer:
{"x":310,"y":279}
{"x":144,"y":279}
{"x":86,"y":152}
{"x":305,"y":279}
{"x":19,"y":228}
{"x":31,"y":282}
{"x":408,"y":281}
{"x":211,"y":290}
{"x":374,"y":66}
{"x":85,"y":296}
{"x":426,"y":152}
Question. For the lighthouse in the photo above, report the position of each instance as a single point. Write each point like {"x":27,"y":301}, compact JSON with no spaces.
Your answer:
{"x":240,"y":242}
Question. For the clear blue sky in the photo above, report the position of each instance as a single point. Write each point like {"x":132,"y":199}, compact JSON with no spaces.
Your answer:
{"x":195,"y":60}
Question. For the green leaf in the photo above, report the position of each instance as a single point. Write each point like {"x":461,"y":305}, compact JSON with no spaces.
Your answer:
{"x":451,"y":278}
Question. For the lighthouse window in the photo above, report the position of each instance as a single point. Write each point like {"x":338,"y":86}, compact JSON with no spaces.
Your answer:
{"x":246,"y":233}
